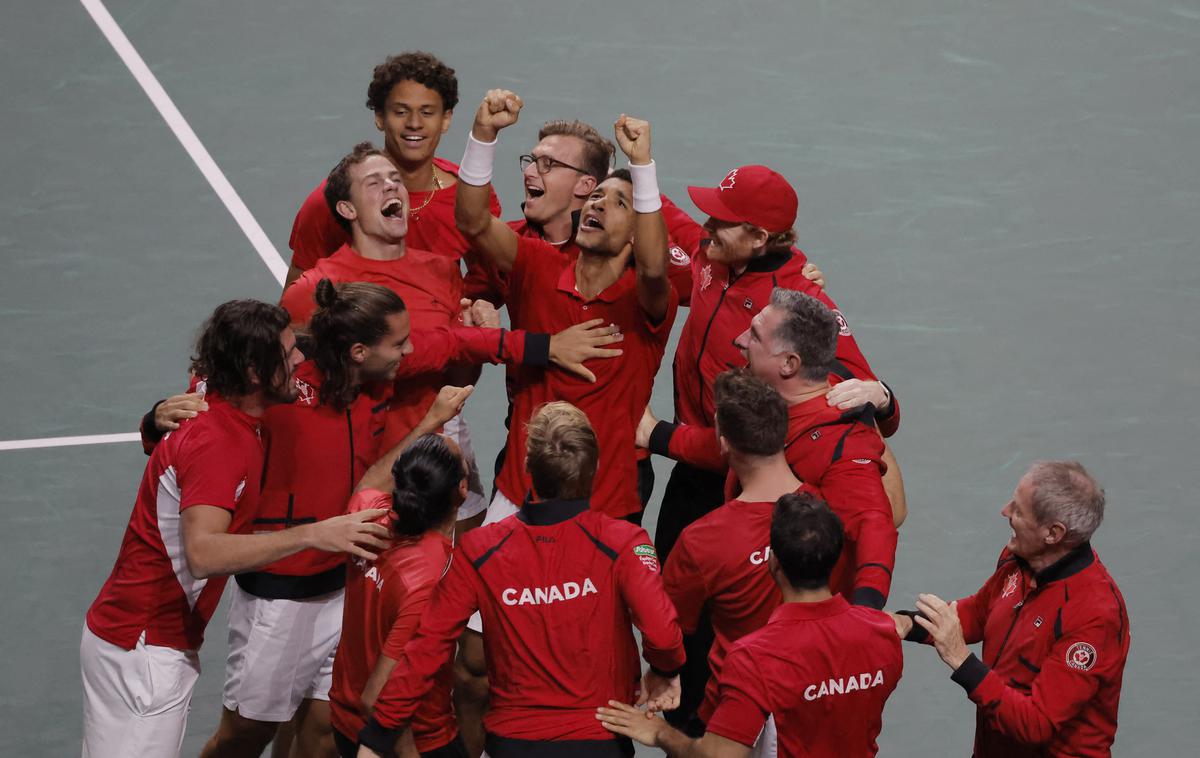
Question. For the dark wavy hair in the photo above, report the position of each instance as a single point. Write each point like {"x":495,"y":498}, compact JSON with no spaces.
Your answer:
{"x":337,"y":184}
{"x":347,"y":314}
{"x":751,"y":416}
{"x":416,"y":66}
{"x":241,"y":338}
{"x":426,"y":475}
{"x":806,"y":540}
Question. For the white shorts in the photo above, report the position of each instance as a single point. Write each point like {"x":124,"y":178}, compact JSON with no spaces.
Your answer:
{"x":280,"y":653}
{"x":500,"y":509}
{"x":457,"y":429}
{"x":135,"y":702}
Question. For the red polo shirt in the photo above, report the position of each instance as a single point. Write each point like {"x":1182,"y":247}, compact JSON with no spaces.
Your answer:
{"x":384,"y":602}
{"x":839,"y":453}
{"x":316,"y":234}
{"x":213,"y":459}
{"x":720,"y":564}
{"x":542,"y":284}
{"x":822,"y":670}
{"x":560,"y":588}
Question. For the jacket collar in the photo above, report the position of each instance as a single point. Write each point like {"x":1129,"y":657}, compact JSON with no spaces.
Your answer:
{"x":554,"y":511}
{"x":1069,"y":565}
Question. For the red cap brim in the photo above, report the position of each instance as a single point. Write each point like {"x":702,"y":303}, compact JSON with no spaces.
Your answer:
{"x":708,"y":200}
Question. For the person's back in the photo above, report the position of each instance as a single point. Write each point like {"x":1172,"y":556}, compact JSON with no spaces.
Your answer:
{"x":558,"y":581}
{"x":821,"y":703}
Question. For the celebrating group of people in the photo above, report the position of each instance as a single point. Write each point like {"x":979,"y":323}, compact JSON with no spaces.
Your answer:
{"x":382,"y":605}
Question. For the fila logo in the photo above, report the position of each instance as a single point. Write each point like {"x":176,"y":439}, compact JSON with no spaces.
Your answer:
{"x":729,"y":180}
{"x":748,"y":304}
{"x":546,"y":595}
{"x":815,"y":435}
{"x":845,"y":686}
{"x":1037,"y":623}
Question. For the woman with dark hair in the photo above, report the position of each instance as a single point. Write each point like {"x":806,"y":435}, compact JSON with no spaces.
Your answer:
{"x":386,"y":597}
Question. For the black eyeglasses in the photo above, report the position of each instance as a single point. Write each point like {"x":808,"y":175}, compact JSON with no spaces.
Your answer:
{"x":545,"y":164}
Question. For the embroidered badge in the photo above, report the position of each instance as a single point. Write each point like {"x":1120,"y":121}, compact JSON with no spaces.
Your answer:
{"x":1010,"y":584}
{"x":305,"y":395}
{"x":1037,"y":623}
{"x":705,"y":277}
{"x":1081,"y":656}
{"x":815,"y":435}
{"x":729,"y":180}
{"x":843,"y":325}
{"x":647,"y":555}
{"x":678,"y":257}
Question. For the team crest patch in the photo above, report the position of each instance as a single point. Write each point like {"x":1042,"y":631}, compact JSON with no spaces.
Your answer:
{"x":305,"y":394}
{"x":843,"y":324}
{"x":1010,"y":584}
{"x":729,"y":180}
{"x":678,"y":257}
{"x":647,"y":555}
{"x":1081,"y":656}
{"x":705,"y":277}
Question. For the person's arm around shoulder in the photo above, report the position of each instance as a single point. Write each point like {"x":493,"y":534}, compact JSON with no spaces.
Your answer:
{"x":653,"y":613}
{"x":472,"y":213}
{"x":649,"y":230}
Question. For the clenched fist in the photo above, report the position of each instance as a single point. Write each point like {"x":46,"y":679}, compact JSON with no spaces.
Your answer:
{"x":633,"y":135}
{"x":499,"y":109}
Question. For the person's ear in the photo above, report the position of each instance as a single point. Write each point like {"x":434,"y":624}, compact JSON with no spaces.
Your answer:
{"x":346,"y":210}
{"x":1056,"y":532}
{"x":446,"y":121}
{"x":584,"y":185}
{"x":358,"y":352}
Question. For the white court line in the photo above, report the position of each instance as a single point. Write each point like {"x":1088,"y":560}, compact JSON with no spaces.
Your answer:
{"x":162,"y":101}
{"x":91,"y":439}
{"x":199,"y":155}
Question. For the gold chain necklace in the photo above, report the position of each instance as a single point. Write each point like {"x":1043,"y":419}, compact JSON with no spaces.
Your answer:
{"x":437,"y":185}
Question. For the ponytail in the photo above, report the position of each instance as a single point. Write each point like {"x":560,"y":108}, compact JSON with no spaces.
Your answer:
{"x":427,"y":476}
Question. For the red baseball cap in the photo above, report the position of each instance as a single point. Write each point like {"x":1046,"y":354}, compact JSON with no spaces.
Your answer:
{"x":751,"y":195}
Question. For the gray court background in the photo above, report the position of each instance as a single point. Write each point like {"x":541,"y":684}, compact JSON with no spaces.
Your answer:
{"x":1003,"y":197}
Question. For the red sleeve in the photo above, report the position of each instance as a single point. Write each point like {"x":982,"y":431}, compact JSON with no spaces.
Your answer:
{"x":682,"y":229}
{"x":1071,"y":673}
{"x":453,"y":601}
{"x":208,"y":472}
{"x":299,"y":300}
{"x":685,"y":583}
{"x":691,"y":443}
{"x":484,"y":280}
{"x":852,"y":364}
{"x":853,"y":486}
{"x":435,"y":349}
{"x":653,"y":614}
{"x":403,"y":606}
{"x":741,"y":703}
{"x":316,"y":234}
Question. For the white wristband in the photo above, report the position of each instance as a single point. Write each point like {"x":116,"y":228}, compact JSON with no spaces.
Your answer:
{"x":646,"y":198}
{"x":478,"y":158}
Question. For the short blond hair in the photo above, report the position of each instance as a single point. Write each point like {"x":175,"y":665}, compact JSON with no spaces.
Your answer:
{"x":561,"y":451}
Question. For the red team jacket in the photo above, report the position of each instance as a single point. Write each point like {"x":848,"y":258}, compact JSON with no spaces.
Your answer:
{"x":1054,"y":650}
{"x":316,"y":234}
{"x":840,"y":454}
{"x":719,"y":564}
{"x":722,"y":306}
{"x":542,"y":284}
{"x":823,"y":671}
{"x":384,"y":602}
{"x":214,"y":459}
{"x":559,"y":587}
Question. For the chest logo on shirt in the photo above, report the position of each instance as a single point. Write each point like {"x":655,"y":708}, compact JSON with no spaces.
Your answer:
{"x":1010,"y":584}
{"x":843,"y":324}
{"x":1037,"y":622}
{"x":1081,"y":656}
{"x":547,"y":595}
{"x":705,"y":277}
{"x":305,"y":394}
{"x":678,"y":257}
{"x":843,"y":686}
{"x":815,"y":435}
{"x":748,"y":304}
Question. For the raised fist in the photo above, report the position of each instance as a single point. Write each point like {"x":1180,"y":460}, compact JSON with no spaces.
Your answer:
{"x":633,"y":135}
{"x":499,"y":109}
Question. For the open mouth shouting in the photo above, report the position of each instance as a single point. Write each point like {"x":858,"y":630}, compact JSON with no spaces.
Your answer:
{"x":591,"y":221}
{"x":393,"y":207}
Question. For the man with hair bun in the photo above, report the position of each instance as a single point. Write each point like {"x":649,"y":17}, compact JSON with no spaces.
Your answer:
{"x":190,"y":528}
{"x":1053,"y":625}
{"x":813,"y":681}
{"x":560,"y":586}
{"x":386,"y":597}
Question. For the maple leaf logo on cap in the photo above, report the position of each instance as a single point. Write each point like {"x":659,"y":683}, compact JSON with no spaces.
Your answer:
{"x":729,"y":180}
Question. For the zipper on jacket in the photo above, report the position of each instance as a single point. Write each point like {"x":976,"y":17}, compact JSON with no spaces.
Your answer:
{"x":708,"y":328}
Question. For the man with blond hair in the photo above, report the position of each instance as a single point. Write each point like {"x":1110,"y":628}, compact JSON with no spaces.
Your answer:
{"x":560,"y":586}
